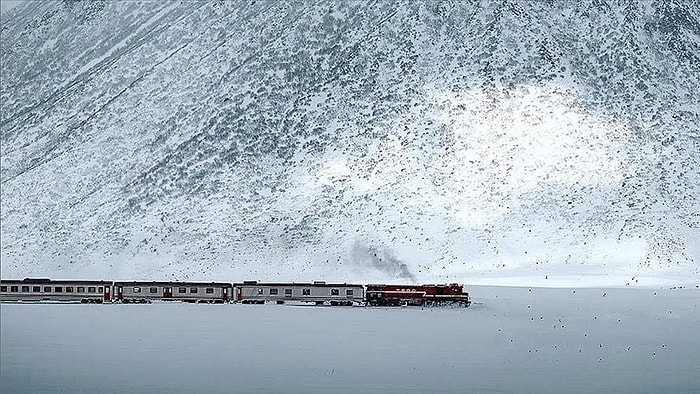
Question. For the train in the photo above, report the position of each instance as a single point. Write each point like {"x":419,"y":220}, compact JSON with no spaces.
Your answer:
{"x":246,"y":292}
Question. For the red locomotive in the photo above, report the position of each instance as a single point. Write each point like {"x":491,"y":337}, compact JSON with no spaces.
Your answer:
{"x":397,"y":295}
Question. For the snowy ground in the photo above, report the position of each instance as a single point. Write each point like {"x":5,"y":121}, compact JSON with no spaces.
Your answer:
{"x":512,"y":339}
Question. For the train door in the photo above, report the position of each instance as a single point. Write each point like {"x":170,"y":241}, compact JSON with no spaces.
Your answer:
{"x":107,"y":296}
{"x":120,"y":293}
{"x":224,"y":294}
{"x":167,"y":292}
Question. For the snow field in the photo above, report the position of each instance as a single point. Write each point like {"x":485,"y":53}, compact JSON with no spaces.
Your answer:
{"x":512,"y":339}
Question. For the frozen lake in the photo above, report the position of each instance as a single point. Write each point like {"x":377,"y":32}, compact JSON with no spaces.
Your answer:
{"x":511,"y":340}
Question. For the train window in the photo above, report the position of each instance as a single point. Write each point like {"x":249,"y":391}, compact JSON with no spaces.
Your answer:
{"x":14,"y":289}
{"x":210,"y":290}
{"x":335,"y":292}
{"x":137,"y":289}
{"x":349,"y":292}
{"x":81,"y":289}
{"x":69,"y":289}
{"x":274,"y":291}
{"x":193,"y":290}
{"x":36,"y":289}
{"x":287,"y":292}
{"x":25,"y":289}
{"x":182,"y":290}
{"x":306,"y":291}
{"x":3,"y":288}
{"x":58,"y":289}
{"x":153,"y":290}
{"x":91,"y":289}
{"x":260,"y":290}
{"x":99,"y":289}
{"x":47,"y":289}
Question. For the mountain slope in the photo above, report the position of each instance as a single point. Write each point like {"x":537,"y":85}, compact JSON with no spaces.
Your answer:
{"x":350,"y":140}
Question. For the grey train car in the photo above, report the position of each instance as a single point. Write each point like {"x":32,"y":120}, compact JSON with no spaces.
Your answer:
{"x":142,"y":292}
{"x":319,"y":293}
{"x":34,"y":290}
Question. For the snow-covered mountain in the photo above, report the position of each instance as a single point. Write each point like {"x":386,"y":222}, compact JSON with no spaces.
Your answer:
{"x":430,"y":140}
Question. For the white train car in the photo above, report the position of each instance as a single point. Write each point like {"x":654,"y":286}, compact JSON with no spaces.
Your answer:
{"x":319,"y":293}
{"x":39,"y":289}
{"x":202,"y":292}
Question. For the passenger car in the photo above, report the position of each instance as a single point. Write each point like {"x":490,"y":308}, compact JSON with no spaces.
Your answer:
{"x":40,"y":289}
{"x":319,"y":293}
{"x":141,"y":292}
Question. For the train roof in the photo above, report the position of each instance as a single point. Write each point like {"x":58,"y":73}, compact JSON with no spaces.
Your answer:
{"x":171,"y":283}
{"x":45,"y":281}
{"x":411,"y":285}
{"x":309,"y":284}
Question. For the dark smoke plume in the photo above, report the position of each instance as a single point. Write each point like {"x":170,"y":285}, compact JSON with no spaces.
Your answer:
{"x":381,"y":259}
